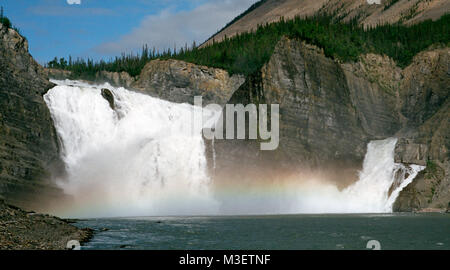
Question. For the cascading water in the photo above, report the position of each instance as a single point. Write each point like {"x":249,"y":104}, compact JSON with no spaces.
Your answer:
{"x":379,"y":176}
{"x":379,"y":185}
{"x":140,"y":156}
{"x":376,"y":190}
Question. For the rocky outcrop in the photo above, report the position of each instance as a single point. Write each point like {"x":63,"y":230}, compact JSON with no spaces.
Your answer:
{"x":117,"y":79}
{"x":172,"y":80}
{"x":108,"y":96}
{"x":180,"y":82}
{"x":58,"y":74}
{"x":28,"y":141}
{"x":428,"y":147}
{"x":329,"y":111}
{"x":424,"y":96}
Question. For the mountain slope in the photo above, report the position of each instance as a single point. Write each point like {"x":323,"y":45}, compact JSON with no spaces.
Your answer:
{"x":389,"y":11}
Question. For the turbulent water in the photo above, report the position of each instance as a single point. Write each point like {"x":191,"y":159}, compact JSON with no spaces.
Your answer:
{"x":380,"y":175}
{"x":144,"y":157}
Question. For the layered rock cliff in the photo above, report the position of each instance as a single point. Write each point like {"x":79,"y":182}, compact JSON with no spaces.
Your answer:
{"x":180,"y":82}
{"x":424,"y":96}
{"x":329,"y":111}
{"x":117,"y":79}
{"x":172,"y":80}
{"x":28,"y":141}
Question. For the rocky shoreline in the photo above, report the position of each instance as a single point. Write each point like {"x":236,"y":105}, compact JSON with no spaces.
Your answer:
{"x":22,"y":230}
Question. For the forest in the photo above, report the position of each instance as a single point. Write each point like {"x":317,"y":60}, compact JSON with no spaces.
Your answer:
{"x":248,"y":52}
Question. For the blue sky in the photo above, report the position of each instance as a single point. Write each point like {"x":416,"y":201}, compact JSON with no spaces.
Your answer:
{"x":105,"y":28}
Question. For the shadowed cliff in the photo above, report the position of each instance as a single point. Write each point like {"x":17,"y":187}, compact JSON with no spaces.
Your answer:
{"x":28,"y":141}
{"x":329,"y":111}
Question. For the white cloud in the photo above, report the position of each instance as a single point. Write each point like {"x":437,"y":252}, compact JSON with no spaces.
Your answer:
{"x":74,"y":2}
{"x":168,"y":28}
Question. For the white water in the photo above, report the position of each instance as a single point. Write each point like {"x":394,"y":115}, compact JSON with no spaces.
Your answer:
{"x":144,"y":158}
{"x":370,"y":194}
{"x":140,"y":159}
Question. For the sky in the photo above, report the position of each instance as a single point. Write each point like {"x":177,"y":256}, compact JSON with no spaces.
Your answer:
{"x":101,"y":29}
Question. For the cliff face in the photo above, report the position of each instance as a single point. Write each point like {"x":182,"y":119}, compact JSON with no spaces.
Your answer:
{"x":388,"y":11}
{"x":28,"y":142}
{"x":329,"y":111}
{"x":172,"y":80}
{"x":180,"y":82}
{"x":424,"y":101}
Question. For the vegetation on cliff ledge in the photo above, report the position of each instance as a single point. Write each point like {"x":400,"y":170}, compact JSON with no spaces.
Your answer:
{"x":6,"y":22}
{"x":248,"y":52}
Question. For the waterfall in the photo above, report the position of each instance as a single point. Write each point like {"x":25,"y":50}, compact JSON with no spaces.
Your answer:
{"x":381,"y":179}
{"x":214,"y":154}
{"x":129,"y":154}
{"x":139,"y":158}
{"x":380,"y":182}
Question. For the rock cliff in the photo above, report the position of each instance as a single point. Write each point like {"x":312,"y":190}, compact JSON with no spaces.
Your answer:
{"x":180,"y":82}
{"x":329,"y":111}
{"x":117,"y":79}
{"x":172,"y":80}
{"x":28,"y":141}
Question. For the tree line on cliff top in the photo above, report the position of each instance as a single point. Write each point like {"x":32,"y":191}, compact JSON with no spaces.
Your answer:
{"x":247,"y":52}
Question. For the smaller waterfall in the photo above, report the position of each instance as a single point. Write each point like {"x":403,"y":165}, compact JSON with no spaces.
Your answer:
{"x":380,"y":182}
{"x":403,"y":176}
{"x":381,"y":179}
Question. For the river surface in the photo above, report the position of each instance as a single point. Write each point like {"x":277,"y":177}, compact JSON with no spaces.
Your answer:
{"x":289,"y":232}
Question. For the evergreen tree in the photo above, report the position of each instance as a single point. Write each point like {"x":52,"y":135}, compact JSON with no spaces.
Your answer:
{"x":246,"y":53}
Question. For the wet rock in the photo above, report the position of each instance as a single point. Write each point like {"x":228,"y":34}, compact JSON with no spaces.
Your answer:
{"x":408,"y":152}
{"x":106,"y":94}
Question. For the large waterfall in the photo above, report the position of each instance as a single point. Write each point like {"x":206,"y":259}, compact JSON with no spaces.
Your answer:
{"x":141,"y":156}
